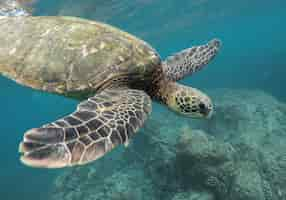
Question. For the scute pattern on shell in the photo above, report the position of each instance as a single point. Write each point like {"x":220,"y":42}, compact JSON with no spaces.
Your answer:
{"x":71,"y":55}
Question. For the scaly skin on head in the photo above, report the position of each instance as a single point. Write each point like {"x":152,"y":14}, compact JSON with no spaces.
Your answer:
{"x":184,"y":100}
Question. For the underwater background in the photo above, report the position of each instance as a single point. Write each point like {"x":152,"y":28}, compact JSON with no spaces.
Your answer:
{"x":251,"y":64}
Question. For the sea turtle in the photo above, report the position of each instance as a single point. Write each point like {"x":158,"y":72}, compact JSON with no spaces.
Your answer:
{"x":114,"y":74}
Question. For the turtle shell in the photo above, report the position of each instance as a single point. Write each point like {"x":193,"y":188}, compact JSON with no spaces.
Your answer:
{"x":68,"y":55}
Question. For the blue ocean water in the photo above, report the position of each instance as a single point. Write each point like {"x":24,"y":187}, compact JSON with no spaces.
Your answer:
{"x":252,"y":56}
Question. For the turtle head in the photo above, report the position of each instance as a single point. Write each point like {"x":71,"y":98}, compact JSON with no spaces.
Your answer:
{"x":189,"y":101}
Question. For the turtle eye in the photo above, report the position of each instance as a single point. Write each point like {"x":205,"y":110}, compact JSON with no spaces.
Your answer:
{"x":204,"y":109}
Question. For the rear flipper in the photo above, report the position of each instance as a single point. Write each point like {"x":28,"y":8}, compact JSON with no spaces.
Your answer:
{"x":190,"y":60}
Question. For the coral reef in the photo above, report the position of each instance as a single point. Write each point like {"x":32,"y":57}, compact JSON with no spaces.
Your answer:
{"x":250,"y":116}
{"x":121,"y":185}
{"x":237,"y":155}
{"x":229,"y":171}
{"x":204,"y":162}
{"x":193,"y":195}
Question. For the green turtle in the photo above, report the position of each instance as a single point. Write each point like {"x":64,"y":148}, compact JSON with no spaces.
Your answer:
{"x":114,"y":74}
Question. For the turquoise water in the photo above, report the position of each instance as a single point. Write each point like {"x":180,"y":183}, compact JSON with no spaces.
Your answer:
{"x":252,"y":56}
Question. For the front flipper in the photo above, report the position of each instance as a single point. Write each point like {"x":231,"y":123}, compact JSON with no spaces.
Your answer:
{"x":190,"y":60}
{"x":97,"y":126}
